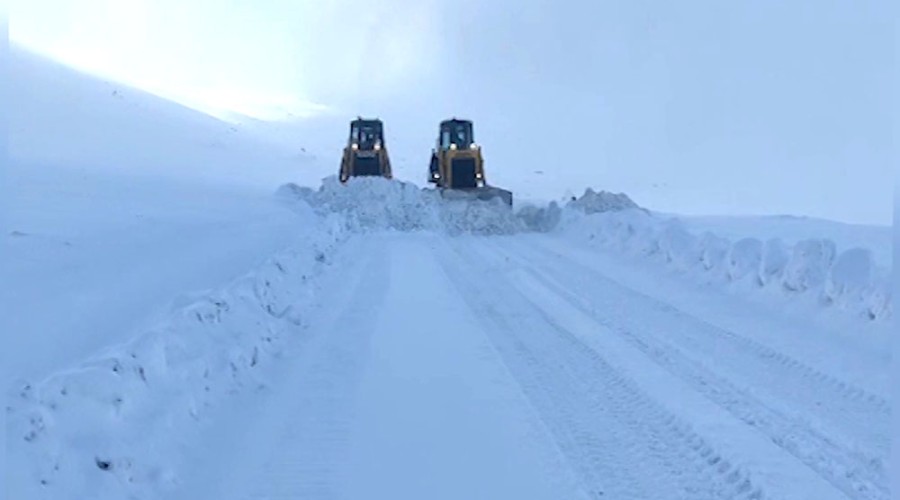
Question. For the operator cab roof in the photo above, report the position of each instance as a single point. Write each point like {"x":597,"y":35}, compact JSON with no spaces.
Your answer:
{"x":456,"y":121}
{"x":366,"y":121}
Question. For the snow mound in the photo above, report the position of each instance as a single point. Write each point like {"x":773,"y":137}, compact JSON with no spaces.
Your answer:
{"x":775,"y":260}
{"x":376,"y":203}
{"x":849,"y":280}
{"x":104,"y":429}
{"x":592,"y":202}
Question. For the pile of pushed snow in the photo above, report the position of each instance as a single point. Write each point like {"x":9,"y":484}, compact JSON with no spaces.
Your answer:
{"x":376,"y":203}
{"x":814,"y":268}
{"x":105,"y":429}
{"x":546,"y":218}
{"x":540,"y":219}
{"x":592,"y":202}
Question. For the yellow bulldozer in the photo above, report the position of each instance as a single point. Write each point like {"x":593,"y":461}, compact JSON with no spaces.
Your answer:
{"x":457,"y":166}
{"x":365,"y":153}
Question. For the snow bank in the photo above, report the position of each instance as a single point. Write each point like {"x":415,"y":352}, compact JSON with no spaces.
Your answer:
{"x":849,"y":280}
{"x":110,"y":428}
{"x":375,"y":203}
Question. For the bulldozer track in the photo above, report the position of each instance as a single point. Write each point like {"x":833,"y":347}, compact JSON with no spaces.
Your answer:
{"x":602,"y":421}
{"x":858,"y":472}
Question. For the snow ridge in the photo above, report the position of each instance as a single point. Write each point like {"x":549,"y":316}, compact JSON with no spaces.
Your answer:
{"x":813,"y":269}
{"x":105,"y":428}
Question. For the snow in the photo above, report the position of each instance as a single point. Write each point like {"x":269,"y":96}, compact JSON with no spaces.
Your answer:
{"x":592,"y":202}
{"x":107,"y":257}
{"x":375,"y":203}
{"x":86,"y":429}
{"x":62,"y":119}
{"x":184,"y":328}
{"x":806,"y":268}
{"x":791,"y":229}
{"x":766,"y":369}
{"x":118,"y":202}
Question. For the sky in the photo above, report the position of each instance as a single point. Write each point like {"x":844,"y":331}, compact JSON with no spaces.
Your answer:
{"x":698,"y":107}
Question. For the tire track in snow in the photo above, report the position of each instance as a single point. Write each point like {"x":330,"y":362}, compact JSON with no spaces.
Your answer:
{"x":307,"y":457}
{"x":858,"y":474}
{"x":867,"y":401}
{"x":622,"y":443}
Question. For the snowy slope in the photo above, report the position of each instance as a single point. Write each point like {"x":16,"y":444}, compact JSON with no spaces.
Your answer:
{"x":119,"y":201}
{"x":62,"y":118}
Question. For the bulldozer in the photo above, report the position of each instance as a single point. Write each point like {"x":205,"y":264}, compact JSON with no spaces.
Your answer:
{"x":457,"y":166}
{"x":365,"y":153}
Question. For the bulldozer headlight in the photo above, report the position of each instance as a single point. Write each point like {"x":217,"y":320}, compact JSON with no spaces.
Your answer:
{"x":354,"y":146}
{"x":479,"y":175}
{"x":377,"y":146}
{"x":453,"y":146}
{"x":473,"y":146}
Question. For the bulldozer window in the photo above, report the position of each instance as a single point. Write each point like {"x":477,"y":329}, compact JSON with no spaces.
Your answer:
{"x":368,"y":137}
{"x":458,"y":133}
{"x":365,"y":135}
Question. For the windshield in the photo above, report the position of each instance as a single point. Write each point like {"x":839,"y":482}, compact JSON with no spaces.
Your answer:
{"x":366,"y":135}
{"x":459,"y":133}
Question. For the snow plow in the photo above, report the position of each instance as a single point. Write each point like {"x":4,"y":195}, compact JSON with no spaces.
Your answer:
{"x":365,"y":153}
{"x":457,"y":166}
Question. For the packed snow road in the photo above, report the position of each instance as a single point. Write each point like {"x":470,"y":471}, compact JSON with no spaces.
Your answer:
{"x":510,"y":367}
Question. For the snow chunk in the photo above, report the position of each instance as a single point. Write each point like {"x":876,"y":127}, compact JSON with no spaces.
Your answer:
{"x":808,"y":267}
{"x":745,"y":258}
{"x":853,"y":271}
{"x":678,"y":246}
{"x":540,"y":219}
{"x":775,"y":259}
{"x":713,"y":251}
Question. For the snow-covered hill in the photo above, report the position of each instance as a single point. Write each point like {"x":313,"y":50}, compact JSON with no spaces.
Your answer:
{"x":61,"y":118}
{"x":117,"y":202}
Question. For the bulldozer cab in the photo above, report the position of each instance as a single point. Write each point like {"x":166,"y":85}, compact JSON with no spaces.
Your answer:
{"x":366,"y":135}
{"x":456,"y":134}
{"x":456,"y":161}
{"x":365,"y":153}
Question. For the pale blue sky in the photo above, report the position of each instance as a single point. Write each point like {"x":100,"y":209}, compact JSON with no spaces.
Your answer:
{"x":695,"y":106}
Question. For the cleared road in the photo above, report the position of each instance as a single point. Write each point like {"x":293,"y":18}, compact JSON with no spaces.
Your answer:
{"x":472,"y":367}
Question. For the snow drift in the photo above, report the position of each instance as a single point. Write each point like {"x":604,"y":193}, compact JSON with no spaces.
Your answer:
{"x":110,"y":427}
{"x":849,"y":280}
